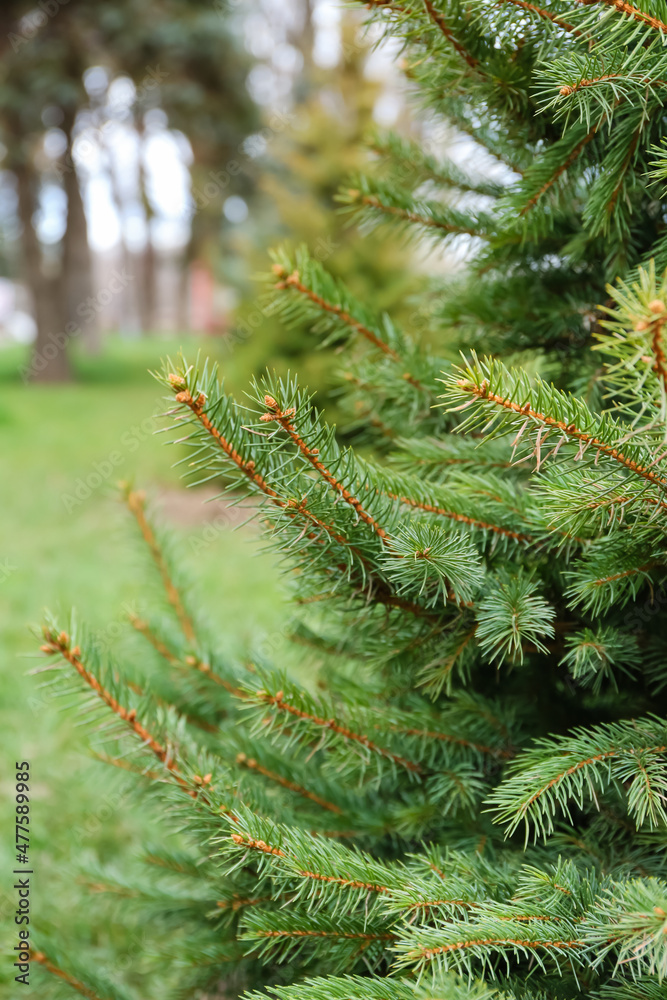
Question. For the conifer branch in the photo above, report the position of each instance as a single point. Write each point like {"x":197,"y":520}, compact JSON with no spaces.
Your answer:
{"x":54,"y":970}
{"x":376,"y":587}
{"x":372,"y":585}
{"x":294,"y":281}
{"x":479,"y":389}
{"x":625,"y":166}
{"x":568,"y":89}
{"x":307,"y":278}
{"x":143,"y":628}
{"x":374,"y":202}
{"x":295,"y":932}
{"x":497,"y":529}
{"x":125,"y":765}
{"x":426,"y":954}
{"x":440,"y":22}
{"x":189,"y":662}
{"x":239,"y":904}
{"x":60,"y":644}
{"x":136,"y":503}
{"x":624,"y":574}
{"x":290,"y":507}
{"x":633,"y":12}
{"x":657,"y":334}
{"x":565,"y":165}
{"x":334,"y":870}
{"x":196,"y":406}
{"x":278,"y":702}
{"x":457,"y":740}
{"x":312,"y":455}
{"x":292,"y":786}
{"x":545,"y":14}
{"x":614,"y":751}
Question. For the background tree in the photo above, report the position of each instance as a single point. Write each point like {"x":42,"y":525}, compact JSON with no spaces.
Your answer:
{"x":298,"y":178}
{"x":45,"y":58}
{"x":474,"y":783}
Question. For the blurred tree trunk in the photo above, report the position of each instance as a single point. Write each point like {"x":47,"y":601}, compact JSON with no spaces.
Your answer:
{"x":183,"y":300}
{"x":305,"y":42}
{"x":130,"y":297}
{"x":147,"y":289}
{"x":49,"y":362}
{"x":77,"y":259}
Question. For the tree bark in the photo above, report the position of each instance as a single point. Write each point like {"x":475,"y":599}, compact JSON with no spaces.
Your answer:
{"x":77,"y":260}
{"x":49,"y":362}
{"x":147,"y":291}
{"x":183,"y":294}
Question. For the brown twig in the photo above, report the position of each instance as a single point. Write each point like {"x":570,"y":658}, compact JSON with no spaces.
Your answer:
{"x":567,"y":89}
{"x":463,"y":518}
{"x":625,"y":573}
{"x":379,"y":590}
{"x":607,"y":755}
{"x":237,"y":904}
{"x":571,"y":430}
{"x":278,"y":701}
{"x":440,"y":22}
{"x":457,"y":740}
{"x":191,"y":662}
{"x":312,"y":455}
{"x":136,"y":502}
{"x":61,"y":644}
{"x":626,"y":8}
{"x":264,"y":848}
{"x":125,"y":765}
{"x":294,"y":281}
{"x":547,"y":15}
{"x":421,"y":220}
{"x":429,"y":953}
{"x":657,"y":328}
{"x":254,"y":765}
{"x":76,"y":984}
{"x":290,"y":507}
{"x":590,"y":135}
{"x":328,"y":934}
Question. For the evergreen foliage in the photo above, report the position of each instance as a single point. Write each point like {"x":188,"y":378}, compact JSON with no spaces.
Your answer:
{"x":469,"y":800}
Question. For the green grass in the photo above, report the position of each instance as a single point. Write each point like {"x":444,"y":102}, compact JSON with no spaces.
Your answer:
{"x":58,"y":550}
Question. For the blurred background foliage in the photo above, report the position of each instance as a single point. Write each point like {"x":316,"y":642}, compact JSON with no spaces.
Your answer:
{"x":296,"y":196}
{"x":150,"y":155}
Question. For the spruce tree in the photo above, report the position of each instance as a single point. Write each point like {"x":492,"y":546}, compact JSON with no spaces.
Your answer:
{"x":467,"y":798}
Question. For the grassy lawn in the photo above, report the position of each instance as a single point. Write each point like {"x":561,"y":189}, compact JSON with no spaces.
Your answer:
{"x":66,"y":542}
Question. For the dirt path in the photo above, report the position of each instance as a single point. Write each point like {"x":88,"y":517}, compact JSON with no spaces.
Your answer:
{"x":189,"y":508}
